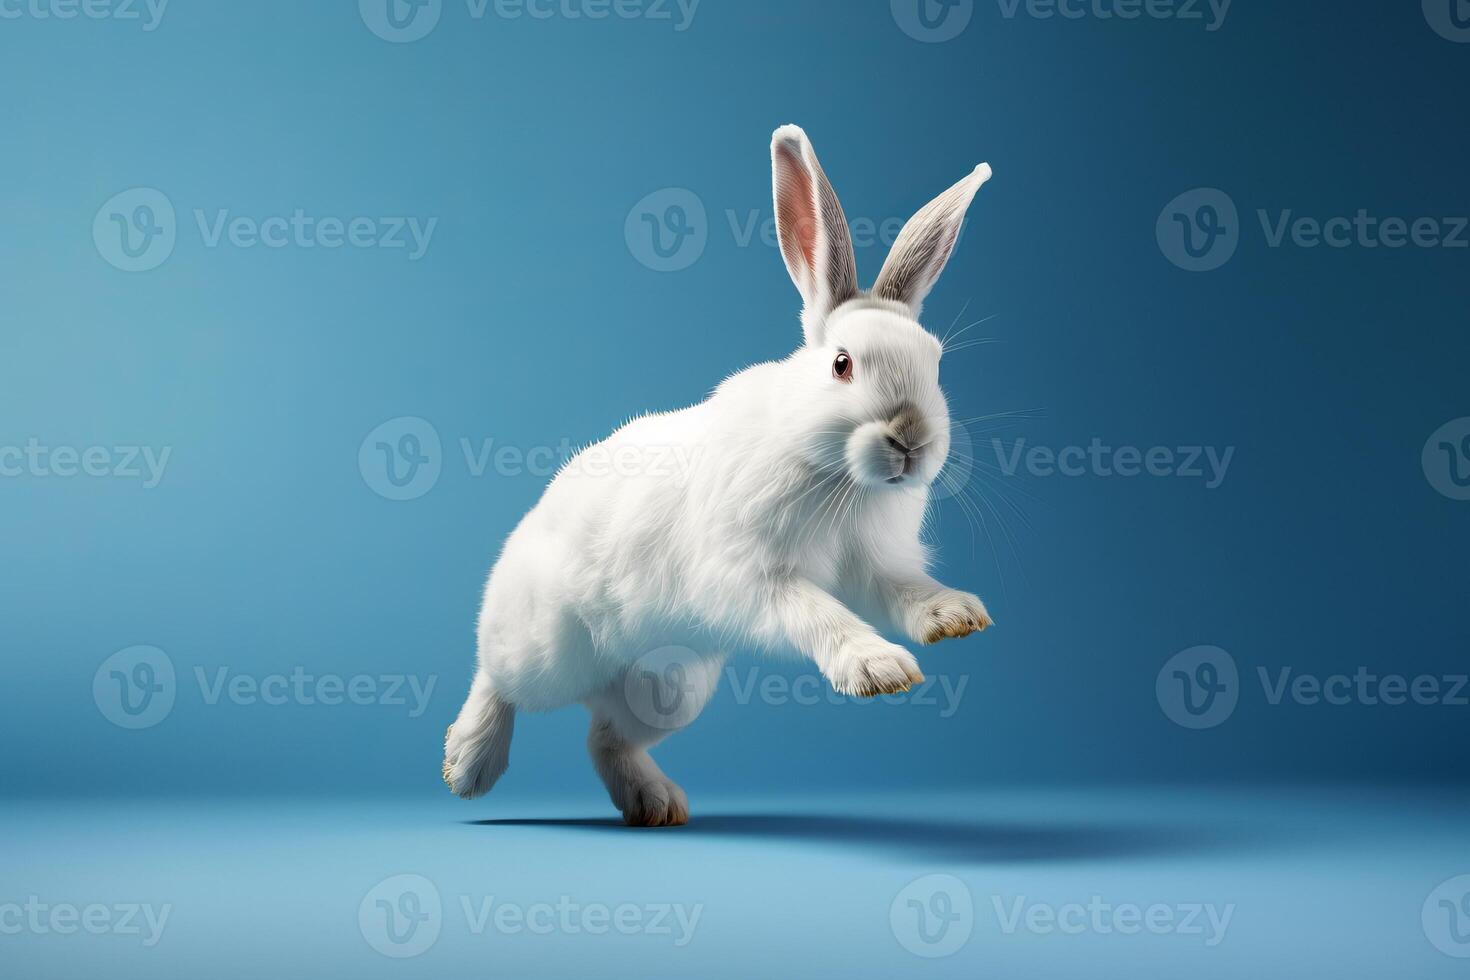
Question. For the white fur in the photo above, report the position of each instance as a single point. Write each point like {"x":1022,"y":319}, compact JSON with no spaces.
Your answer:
{"x":776,"y":514}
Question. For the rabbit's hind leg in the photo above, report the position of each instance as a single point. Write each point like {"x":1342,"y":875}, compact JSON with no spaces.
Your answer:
{"x":638,"y":787}
{"x":477,"y":745}
{"x":633,"y":714}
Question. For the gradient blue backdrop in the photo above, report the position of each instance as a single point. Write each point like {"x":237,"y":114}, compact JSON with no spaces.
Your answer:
{"x":531,"y":320}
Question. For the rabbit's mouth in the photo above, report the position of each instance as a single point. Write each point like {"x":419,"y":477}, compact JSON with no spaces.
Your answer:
{"x":904,"y":458}
{"x":881,"y":454}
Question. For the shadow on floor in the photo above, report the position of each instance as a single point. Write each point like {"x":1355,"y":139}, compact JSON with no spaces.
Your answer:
{"x":977,"y":842}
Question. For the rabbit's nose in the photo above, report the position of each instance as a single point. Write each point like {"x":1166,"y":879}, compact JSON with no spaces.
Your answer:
{"x":910,"y":430}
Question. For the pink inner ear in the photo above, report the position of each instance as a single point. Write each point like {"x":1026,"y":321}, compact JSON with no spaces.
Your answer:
{"x":796,"y":210}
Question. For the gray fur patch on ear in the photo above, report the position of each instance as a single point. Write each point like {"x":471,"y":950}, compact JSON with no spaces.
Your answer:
{"x":907,"y":267}
{"x":841,"y":265}
{"x":926,"y":242}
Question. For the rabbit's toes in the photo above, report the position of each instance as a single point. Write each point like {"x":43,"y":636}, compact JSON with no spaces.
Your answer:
{"x":658,"y":802}
{"x":950,"y":614}
{"x":873,"y":666}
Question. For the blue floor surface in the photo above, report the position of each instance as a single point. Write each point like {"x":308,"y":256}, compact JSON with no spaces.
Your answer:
{"x":1017,"y":884}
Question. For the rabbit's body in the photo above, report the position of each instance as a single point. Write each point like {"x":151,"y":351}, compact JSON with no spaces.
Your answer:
{"x":782,"y":512}
{"x":610,"y":564}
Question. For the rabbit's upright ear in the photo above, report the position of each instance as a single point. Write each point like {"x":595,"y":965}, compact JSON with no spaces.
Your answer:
{"x":924,"y":245}
{"x":812,"y":229}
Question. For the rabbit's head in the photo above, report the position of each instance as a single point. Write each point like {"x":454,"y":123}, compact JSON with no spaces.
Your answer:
{"x":864,"y":388}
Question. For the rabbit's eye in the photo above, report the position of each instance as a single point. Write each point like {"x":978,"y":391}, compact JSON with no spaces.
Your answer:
{"x":842,"y":366}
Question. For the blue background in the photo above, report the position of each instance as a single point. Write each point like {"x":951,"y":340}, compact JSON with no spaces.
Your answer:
{"x":530,"y":320}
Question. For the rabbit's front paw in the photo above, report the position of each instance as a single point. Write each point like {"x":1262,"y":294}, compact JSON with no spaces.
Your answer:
{"x":870,"y":666}
{"x":948,"y":613}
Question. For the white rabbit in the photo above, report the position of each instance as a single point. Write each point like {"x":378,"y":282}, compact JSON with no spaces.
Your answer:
{"x":765,"y":515}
